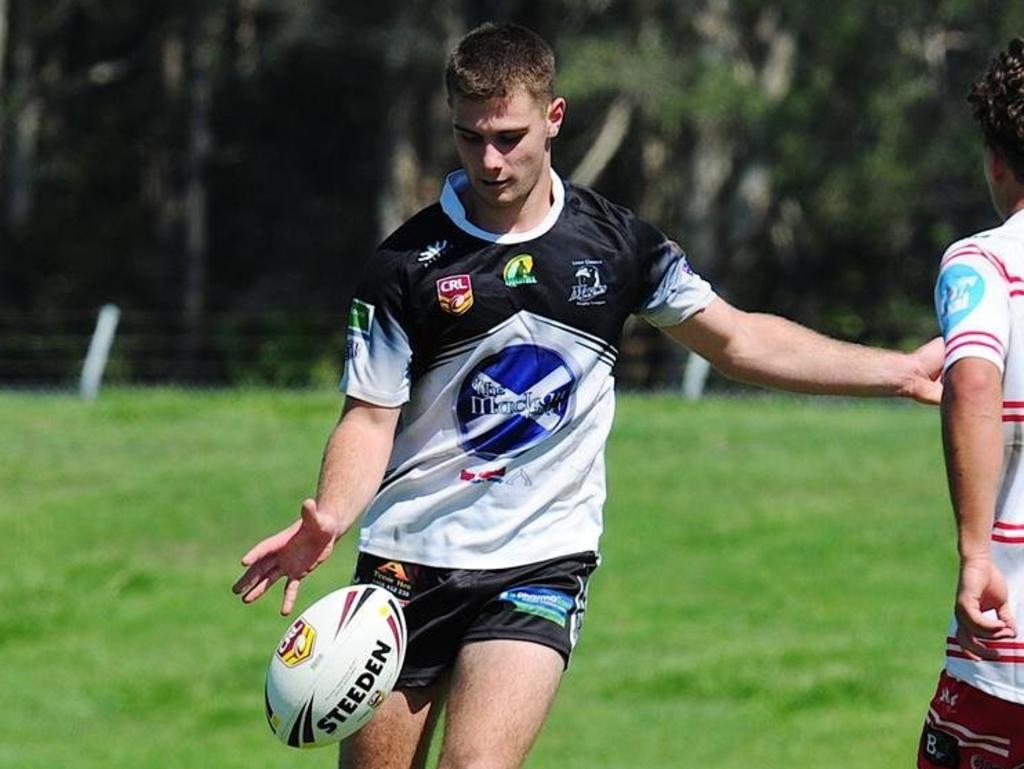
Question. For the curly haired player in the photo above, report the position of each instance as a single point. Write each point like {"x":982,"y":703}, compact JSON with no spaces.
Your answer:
{"x":976,"y":718}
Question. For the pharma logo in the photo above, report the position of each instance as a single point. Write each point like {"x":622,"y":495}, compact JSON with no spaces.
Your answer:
{"x":360,"y":318}
{"x":958,"y":293}
{"x":513,"y":400}
{"x":540,"y":602}
{"x":519,"y":271}
{"x":588,"y":287}
{"x":455,"y":293}
{"x":297,"y":645}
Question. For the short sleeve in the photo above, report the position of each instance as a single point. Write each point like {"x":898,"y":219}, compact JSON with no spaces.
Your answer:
{"x":972,"y":302}
{"x":377,"y":354}
{"x":670,"y":290}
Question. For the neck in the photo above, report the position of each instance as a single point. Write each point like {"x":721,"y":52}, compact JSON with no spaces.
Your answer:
{"x":520,"y":216}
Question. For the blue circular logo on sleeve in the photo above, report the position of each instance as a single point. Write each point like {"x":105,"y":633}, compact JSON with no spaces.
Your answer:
{"x":513,"y":400}
{"x":957,"y":294}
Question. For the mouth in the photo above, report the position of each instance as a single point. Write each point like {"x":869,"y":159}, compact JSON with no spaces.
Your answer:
{"x":496,"y":183}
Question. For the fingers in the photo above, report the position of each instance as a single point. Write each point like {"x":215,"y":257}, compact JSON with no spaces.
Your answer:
{"x":308,"y":510}
{"x":1005,"y":614}
{"x":271,"y":544}
{"x":977,"y":628}
{"x":291,"y":593}
{"x":257,"y":581}
{"x":973,"y":648}
{"x":929,"y":392}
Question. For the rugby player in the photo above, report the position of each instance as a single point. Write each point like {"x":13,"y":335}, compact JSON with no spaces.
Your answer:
{"x":479,"y":395}
{"x":976,"y":719}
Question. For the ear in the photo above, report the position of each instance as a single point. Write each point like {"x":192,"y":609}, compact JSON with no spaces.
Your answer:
{"x":995,"y":164}
{"x":556,"y":113}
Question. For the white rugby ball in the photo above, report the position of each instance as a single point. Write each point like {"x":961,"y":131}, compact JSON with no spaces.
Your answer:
{"x":334,"y":666}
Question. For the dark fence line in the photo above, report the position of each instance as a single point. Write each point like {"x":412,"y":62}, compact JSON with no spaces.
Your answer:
{"x":275,"y":348}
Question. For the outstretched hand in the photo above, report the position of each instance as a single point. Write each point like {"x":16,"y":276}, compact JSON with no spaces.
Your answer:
{"x":925,"y":385}
{"x":292,"y":553}
{"x":982,"y":588}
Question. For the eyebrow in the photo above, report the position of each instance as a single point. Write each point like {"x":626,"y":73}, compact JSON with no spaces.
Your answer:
{"x":464,"y":129}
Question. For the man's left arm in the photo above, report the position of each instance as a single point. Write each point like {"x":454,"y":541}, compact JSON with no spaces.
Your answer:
{"x":771,"y":351}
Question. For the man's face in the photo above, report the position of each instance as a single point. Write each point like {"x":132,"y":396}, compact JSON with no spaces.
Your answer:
{"x":504,"y":145}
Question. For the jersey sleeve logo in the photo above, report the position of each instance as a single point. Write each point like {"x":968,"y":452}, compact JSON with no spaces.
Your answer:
{"x":455,"y":293}
{"x":959,"y":291}
{"x":360,"y":318}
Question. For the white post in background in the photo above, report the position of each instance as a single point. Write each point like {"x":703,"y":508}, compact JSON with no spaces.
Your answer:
{"x":99,"y":351}
{"x":695,"y":376}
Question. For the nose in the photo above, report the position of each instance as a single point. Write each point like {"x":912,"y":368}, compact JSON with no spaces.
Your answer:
{"x":493,"y":160}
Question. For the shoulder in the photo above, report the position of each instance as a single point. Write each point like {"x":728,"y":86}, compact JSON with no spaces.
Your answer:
{"x":416,"y":233}
{"x":988,"y":249}
{"x":419,"y":237}
{"x":598,"y":210}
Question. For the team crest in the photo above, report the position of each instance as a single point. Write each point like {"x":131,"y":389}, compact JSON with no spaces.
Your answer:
{"x":455,"y":293}
{"x":519,"y":271}
{"x":589,"y":287}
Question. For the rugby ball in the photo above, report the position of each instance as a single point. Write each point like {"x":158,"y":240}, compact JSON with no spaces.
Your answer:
{"x":334,"y":666}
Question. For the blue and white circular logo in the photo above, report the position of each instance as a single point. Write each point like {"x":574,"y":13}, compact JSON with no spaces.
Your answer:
{"x":513,"y":400}
{"x":959,"y":291}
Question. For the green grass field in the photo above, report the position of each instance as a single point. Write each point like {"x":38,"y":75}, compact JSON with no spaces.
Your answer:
{"x":776,"y":583}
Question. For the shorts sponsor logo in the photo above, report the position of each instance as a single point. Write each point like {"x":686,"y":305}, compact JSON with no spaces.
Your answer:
{"x":541,"y":602}
{"x":589,"y":288}
{"x":360,"y":318}
{"x":980,"y":762}
{"x":353,"y":349}
{"x":959,"y":291}
{"x":297,"y":645}
{"x":940,"y":748}
{"x":455,"y":293}
{"x":513,"y":400}
{"x":396,"y":578}
{"x":519,"y":271}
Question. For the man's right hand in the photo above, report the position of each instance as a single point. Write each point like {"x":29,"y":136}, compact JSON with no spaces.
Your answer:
{"x":291,"y":553}
{"x":982,"y":588}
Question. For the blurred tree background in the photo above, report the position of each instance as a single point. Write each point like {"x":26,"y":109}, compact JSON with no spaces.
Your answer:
{"x":221,"y":169}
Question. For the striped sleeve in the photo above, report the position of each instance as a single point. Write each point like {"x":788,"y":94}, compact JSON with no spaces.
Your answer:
{"x":972,"y":301}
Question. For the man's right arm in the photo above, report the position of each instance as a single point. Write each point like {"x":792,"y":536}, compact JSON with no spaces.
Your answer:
{"x":353,"y":465}
{"x":973,"y":443}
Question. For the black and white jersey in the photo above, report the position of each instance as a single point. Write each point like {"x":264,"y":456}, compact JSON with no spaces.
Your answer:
{"x":500,"y":351}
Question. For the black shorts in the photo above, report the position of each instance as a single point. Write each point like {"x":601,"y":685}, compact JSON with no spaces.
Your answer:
{"x":446,"y":608}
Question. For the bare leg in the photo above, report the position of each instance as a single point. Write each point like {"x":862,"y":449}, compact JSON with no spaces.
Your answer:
{"x":501,"y":692}
{"x":398,"y":736}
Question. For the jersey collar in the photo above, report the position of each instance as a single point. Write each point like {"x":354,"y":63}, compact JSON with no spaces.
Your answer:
{"x":1016,"y":220}
{"x":452,"y":206}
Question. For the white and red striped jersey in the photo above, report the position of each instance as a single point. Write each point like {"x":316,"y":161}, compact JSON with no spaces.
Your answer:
{"x":979,"y":298}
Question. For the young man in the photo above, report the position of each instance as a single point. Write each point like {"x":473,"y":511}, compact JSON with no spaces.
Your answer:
{"x":977,"y":716}
{"x":479,"y":397}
